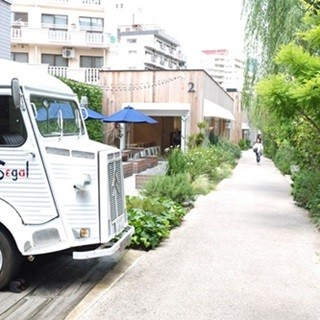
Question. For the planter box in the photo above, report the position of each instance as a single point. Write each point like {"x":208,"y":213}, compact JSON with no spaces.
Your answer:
{"x":152,"y":161}
{"x":127,"y":169}
{"x":139,"y":165}
{"x":141,"y":179}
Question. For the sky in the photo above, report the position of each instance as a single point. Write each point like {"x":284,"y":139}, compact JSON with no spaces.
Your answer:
{"x":199,"y":25}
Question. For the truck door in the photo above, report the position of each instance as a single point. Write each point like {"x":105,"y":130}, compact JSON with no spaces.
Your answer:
{"x":23,"y":183}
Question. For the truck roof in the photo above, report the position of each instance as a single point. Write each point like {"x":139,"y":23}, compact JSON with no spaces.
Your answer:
{"x":31,"y":76}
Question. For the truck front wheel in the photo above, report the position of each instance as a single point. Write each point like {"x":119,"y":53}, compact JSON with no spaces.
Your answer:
{"x":10,"y":259}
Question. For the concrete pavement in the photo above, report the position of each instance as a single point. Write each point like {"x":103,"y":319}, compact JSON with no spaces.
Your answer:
{"x":245,"y":252}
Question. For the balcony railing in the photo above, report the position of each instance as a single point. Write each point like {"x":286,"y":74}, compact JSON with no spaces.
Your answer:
{"x":59,"y":36}
{"x":67,"y":38}
{"x":58,"y":71}
{"x":95,"y":38}
{"x":19,"y":23}
{"x":92,"y":76}
{"x":92,"y":2}
{"x":86,"y":75}
{"x":71,"y":3}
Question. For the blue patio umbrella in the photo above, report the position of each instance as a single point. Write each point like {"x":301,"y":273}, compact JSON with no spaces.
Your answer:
{"x":129,"y":115}
{"x":91,"y":114}
{"x":52,"y":112}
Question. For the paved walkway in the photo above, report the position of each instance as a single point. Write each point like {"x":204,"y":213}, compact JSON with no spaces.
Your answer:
{"x":244,"y":252}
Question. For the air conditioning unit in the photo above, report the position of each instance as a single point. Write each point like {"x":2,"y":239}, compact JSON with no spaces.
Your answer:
{"x":68,"y":53}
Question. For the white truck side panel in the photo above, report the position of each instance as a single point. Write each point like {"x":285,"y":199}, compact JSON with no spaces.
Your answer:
{"x":23,"y":184}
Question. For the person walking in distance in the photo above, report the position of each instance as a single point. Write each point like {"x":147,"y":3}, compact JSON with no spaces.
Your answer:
{"x":257,"y":149}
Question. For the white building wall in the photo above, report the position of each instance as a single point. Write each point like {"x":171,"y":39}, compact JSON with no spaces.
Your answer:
{"x":225,"y":67}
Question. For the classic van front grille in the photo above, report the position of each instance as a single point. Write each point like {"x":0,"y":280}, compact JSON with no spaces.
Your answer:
{"x":116,"y":188}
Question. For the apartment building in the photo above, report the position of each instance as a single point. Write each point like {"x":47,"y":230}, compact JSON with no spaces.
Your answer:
{"x":5,"y":28}
{"x":225,"y":67}
{"x":77,"y":38}
{"x":67,"y":35}
{"x":146,"y":47}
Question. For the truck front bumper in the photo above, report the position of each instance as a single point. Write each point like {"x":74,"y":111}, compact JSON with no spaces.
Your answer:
{"x":107,"y":249}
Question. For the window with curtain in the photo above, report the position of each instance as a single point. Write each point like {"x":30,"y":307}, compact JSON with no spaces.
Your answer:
{"x":91,"y":62}
{"x":91,"y":23}
{"x":54,"y":21}
{"x":54,"y":60}
{"x":20,"y":57}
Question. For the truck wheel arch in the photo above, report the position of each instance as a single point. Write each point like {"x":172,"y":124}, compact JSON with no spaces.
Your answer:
{"x":10,"y":257}
{"x":10,"y":221}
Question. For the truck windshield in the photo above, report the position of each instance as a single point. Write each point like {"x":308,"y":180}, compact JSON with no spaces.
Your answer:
{"x":56,"y":117}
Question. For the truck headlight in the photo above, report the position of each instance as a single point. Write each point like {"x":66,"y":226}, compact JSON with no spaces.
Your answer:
{"x":81,"y":233}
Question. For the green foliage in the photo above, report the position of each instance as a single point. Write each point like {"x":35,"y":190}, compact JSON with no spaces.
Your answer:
{"x":232,"y":150}
{"x":152,"y":219}
{"x":244,"y":144}
{"x":289,"y":100}
{"x":199,"y":161}
{"x":269,"y":24}
{"x":177,"y":162}
{"x":176,"y":187}
{"x":314,"y":207}
{"x":197,"y":139}
{"x":202,"y":161}
{"x":223,"y":171}
{"x":150,"y":229}
{"x":285,"y":157}
{"x":275,"y":97}
{"x":305,"y":141}
{"x":305,"y":186}
{"x":202,"y":184}
{"x":94,"y":94}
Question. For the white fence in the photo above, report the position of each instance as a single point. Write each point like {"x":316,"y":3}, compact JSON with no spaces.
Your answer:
{"x":86,"y":75}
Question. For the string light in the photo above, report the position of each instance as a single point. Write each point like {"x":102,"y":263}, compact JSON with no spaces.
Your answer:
{"x":139,"y":86}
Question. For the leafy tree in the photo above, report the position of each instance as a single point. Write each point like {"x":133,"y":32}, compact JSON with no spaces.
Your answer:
{"x":269,"y":24}
{"x":292,"y":96}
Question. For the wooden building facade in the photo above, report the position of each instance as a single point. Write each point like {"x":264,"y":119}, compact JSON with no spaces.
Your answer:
{"x":177,"y":99}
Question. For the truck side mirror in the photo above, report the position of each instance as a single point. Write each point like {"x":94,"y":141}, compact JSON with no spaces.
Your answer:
{"x":15,"y":92}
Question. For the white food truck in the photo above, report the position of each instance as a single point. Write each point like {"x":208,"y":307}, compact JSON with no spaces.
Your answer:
{"x":59,"y":190}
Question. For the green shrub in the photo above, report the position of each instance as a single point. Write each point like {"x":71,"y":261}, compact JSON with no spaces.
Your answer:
{"x":215,"y":162}
{"x":202,"y":184}
{"x":314,"y":205}
{"x":284,"y":158}
{"x":177,"y":162}
{"x":152,"y":218}
{"x":176,"y":187}
{"x":223,"y":171}
{"x":305,"y":186}
{"x":202,"y":161}
{"x":198,"y":139}
{"x":150,"y":229}
{"x":230,"y":149}
{"x":244,"y":144}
